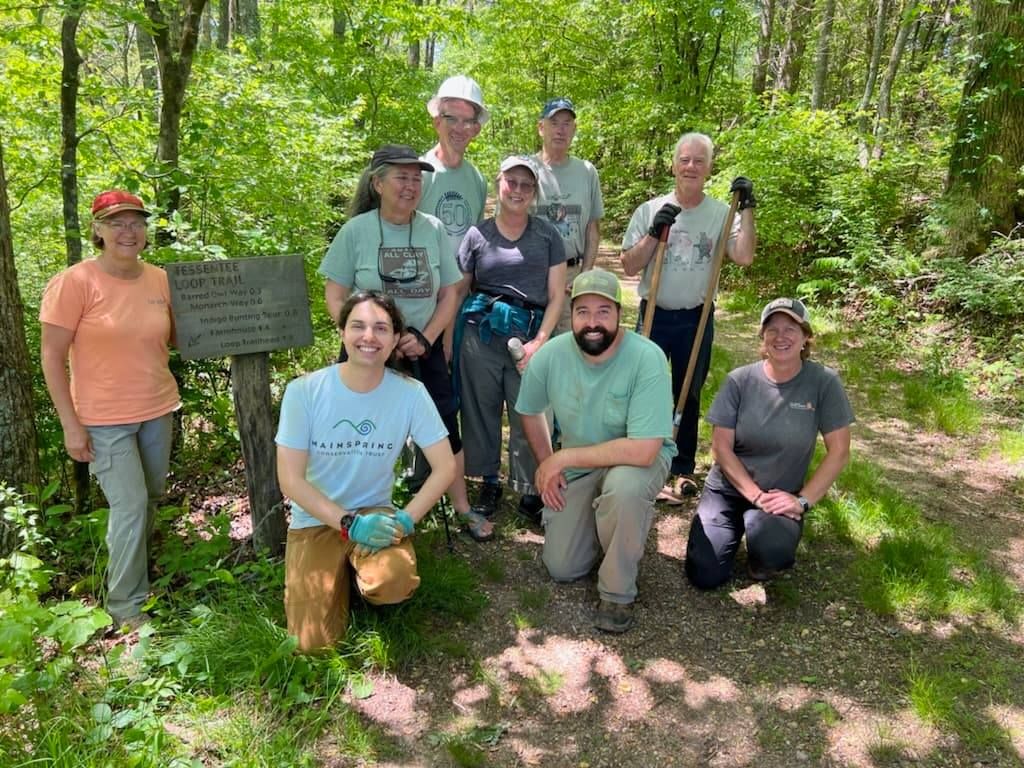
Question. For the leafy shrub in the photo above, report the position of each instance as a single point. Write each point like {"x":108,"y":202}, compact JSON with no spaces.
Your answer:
{"x":37,"y":639}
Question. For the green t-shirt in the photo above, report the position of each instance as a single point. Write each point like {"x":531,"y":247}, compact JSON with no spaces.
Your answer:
{"x":370,"y":254}
{"x":628,"y":395}
{"x":456,"y":196}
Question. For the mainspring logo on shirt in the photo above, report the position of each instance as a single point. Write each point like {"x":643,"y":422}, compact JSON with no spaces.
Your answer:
{"x":808,"y":406}
{"x":364,"y":427}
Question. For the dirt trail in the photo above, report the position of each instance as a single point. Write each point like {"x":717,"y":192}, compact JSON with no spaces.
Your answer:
{"x":800,"y":673}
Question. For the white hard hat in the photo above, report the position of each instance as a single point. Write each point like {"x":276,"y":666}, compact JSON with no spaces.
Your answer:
{"x":460,"y":87}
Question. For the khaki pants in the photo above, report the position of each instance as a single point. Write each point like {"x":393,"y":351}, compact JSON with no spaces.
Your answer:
{"x":130,"y":465}
{"x":318,"y":576}
{"x":607,"y":511}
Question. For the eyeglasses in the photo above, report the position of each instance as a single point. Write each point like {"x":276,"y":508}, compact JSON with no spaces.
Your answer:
{"x":456,"y":122}
{"x":516,"y":185}
{"x":124,"y":226}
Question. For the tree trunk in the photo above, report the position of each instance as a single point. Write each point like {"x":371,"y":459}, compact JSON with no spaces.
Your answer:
{"x":206,"y":25}
{"x":762,"y":55}
{"x":69,"y":83}
{"x":821,"y":58}
{"x":19,"y":459}
{"x":249,"y":19}
{"x":885,"y":88}
{"x":988,"y":149}
{"x":428,"y":55}
{"x":147,"y":59}
{"x":792,"y":57}
{"x":413,"y":57}
{"x":863,"y":119}
{"x":250,"y":388}
{"x":339,"y":18}
{"x":175,"y":64}
{"x":224,"y":16}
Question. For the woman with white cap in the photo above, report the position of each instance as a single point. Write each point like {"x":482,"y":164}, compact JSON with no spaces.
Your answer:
{"x":112,"y":316}
{"x":766,"y":418}
{"x":514,"y":277}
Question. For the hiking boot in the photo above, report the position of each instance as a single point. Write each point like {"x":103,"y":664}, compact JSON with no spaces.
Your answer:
{"x":530,"y":507}
{"x":487,"y":501}
{"x":613,"y":617}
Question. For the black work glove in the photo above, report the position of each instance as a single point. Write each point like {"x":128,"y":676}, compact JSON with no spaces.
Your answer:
{"x":663,"y":218}
{"x":745,"y":187}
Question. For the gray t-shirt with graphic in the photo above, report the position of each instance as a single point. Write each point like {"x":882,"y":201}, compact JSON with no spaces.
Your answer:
{"x":569,"y":197}
{"x":777,"y":425}
{"x":691,"y":247}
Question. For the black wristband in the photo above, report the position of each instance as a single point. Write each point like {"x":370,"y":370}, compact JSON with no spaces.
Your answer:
{"x":427,"y":346}
{"x":344,"y":524}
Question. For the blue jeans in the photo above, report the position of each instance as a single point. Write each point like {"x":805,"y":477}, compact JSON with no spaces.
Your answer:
{"x":675,"y":331}
{"x":130,"y":464}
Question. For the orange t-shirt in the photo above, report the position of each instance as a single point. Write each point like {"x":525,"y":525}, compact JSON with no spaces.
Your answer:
{"x":119,"y":372}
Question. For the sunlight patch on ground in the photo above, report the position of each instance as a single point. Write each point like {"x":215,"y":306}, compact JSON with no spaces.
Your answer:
{"x":1010,"y":719}
{"x":393,"y":706}
{"x":862,"y":731}
{"x":668,"y":532}
{"x":853,"y":730}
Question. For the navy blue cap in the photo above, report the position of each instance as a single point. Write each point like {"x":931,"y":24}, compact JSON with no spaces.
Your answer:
{"x":557,"y":105}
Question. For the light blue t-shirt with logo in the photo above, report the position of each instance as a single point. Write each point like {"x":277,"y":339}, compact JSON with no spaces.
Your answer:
{"x":353,"y":439}
{"x":454,"y":195}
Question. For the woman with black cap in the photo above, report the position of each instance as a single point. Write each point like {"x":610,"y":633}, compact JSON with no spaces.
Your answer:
{"x":388,"y":246}
{"x":766,"y":418}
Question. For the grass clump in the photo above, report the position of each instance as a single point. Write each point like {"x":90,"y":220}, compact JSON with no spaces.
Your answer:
{"x":905,"y":563}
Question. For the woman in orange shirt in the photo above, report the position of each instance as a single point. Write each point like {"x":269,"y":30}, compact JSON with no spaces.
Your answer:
{"x":111,"y":316}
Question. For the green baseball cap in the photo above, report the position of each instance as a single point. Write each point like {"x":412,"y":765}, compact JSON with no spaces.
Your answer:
{"x":598,"y":281}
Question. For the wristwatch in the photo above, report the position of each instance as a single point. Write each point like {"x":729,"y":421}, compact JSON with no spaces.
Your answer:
{"x":805,"y":505}
{"x":344,"y":524}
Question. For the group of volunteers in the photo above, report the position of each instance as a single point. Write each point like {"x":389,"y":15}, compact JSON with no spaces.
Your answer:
{"x":448,"y":319}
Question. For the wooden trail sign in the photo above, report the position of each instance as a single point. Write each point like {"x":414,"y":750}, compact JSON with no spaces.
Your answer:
{"x":245,"y":308}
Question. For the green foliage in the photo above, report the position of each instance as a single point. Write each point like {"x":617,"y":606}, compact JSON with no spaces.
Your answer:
{"x":38,"y":639}
{"x":990,"y":286}
{"x":940,"y":398}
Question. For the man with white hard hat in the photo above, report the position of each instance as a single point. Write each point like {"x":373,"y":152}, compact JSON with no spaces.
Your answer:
{"x":456,"y":191}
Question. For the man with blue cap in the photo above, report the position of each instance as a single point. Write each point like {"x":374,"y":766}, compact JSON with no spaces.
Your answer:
{"x":568,"y":193}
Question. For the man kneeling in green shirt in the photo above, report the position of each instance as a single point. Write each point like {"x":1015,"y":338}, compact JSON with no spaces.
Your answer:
{"x":610,"y":390}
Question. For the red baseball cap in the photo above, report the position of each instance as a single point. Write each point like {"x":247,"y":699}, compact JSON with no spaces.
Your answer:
{"x":115,"y":201}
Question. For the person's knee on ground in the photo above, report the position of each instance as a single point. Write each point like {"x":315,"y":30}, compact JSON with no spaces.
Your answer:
{"x":705,"y":568}
{"x":772,"y":541}
{"x":317,"y":586}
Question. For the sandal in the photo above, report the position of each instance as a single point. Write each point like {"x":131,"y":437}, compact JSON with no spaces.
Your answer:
{"x":676,"y":489}
{"x":477,"y":526}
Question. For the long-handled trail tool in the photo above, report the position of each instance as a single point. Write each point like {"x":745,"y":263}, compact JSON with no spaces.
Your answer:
{"x":709,"y":299}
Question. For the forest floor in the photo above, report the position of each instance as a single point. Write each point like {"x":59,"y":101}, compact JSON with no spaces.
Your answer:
{"x":797,"y":672}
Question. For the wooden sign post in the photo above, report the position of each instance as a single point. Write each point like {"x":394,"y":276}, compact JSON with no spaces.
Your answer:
{"x":245,"y":308}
